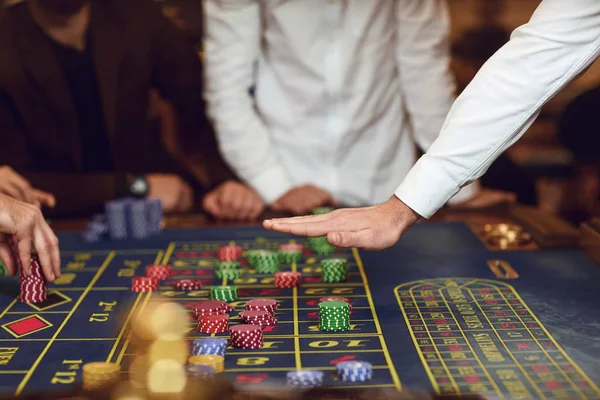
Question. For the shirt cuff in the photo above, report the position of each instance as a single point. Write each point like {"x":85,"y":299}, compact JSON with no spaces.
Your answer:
{"x":271,"y":184}
{"x":466,"y":193}
{"x":426,"y":188}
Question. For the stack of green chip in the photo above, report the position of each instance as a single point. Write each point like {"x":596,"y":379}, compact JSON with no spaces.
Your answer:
{"x":224,"y":293}
{"x":228,"y":270}
{"x":333,"y":270}
{"x":320,"y":245}
{"x":334,"y":316}
{"x":253,"y":256}
{"x":266,"y":262}
{"x":322,"y":210}
{"x":289,"y":256}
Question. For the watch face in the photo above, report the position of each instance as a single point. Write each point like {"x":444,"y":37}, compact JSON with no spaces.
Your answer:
{"x":139,"y":187}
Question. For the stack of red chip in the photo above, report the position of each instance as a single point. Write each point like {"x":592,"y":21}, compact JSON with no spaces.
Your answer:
{"x":227,"y":307}
{"x":211,"y":307}
{"x":256,"y":317}
{"x":33,"y":287}
{"x":268,"y":305}
{"x":246,"y":337}
{"x":188,"y":284}
{"x":287,"y":279}
{"x":335,"y":298}
{"x":160,"y":272}
{"x":213,"y":323}
{"x":229,"y":253}
{"x":144,"y":284}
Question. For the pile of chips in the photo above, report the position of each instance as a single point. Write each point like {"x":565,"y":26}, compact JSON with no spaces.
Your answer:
{"x":354,"y":371}
{"x":33,"y":288}
{"x":265,"y":261}
{"x":126,"y":219}
{"x":216,"y":362}
{"x":305,"y":378}
{"x":224,"y":293}
{"x":210,"y":307}
{"x":200,"y":371}
{"x":213,"y":323}
{"x":99,"y":374}
{"x":228,"y":270}
{"x":256,"y":317}
{"x":320,"y":245}
{"x":334,"y":316}
{"x":144,"y":284}
{"x":215,"y":346}
{"x":160,"y":272}
{"x":287,"y":279}
{"x":229,"y":253}
{"x":290,"y":253}
{"x":333,"y":270}
{"x":264,"y":304}
{"x":188,"y":284}
{"x":336,"y":298}
{"x":246,"y":336}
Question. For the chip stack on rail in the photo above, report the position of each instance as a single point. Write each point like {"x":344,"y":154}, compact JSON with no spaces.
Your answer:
{"x":229,"y":253}
{"x":160,"y":272}
{"x":144,"y":284}
{"x":256,"y":317}
{"x":263,"y":304}
{"x":246,"y":336}
{"x":216,"y":346}
{"x":320,"y":245}
{"x":287,"y":279}
{"x":334,"y":316}
{"x":290,"y":253}
{"x":224,"y":293}
{"x":354,"y":371}
{"x":33,"y":288}
{"x":211,"y":360}
{"x":100,"y":374}
{"x":333,"y":270}
{"x":305,"y":378}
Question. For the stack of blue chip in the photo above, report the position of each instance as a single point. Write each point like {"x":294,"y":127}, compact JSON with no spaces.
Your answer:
{"x":200,"y":371}
{"x":215,"y":346}
{"x":126,"y":219}
{"x":305,"y":378}
{"x":354,"y":371}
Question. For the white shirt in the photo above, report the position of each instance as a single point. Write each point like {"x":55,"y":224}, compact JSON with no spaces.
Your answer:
{"x":560,"y":41}
{"x":344,"y":91}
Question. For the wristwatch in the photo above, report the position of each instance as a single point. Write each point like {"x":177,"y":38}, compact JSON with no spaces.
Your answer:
{"x":139,"y":187}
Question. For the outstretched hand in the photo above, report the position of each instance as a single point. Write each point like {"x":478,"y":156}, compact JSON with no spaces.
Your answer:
{"x":371,"y":228}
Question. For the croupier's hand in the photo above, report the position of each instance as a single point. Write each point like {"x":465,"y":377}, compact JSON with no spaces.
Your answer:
{"x":370,"y":228}
{"x":27,"y":225}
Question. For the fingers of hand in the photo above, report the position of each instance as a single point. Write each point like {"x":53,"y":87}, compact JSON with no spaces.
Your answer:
{"x":210,"y":204}
{"x":44,"y":198}
{"x":24,"y":247}
{"x":45,"y":249}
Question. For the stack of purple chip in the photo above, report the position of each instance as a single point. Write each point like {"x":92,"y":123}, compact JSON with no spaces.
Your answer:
{"x":126,"y":219}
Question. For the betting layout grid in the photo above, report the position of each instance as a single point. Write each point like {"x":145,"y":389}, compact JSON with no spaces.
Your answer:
{"x":295,"y":341}
{"x":46,"y":345}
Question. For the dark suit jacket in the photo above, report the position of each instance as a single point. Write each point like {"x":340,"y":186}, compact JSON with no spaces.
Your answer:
{"x":135,"y":48}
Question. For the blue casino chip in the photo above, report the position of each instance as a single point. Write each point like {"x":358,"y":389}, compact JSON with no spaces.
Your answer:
{"x":305,"y":378}
{"x":354,"y":371}
{"x":214,"y":346}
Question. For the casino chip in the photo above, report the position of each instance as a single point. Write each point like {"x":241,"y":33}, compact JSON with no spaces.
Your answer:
{"x":224,"y":293}
{"x":287,"y":279}
{"x":208,"y":307}
{"x":211,"y":360}
{"x":229,"y":253}
{"x":160,"y":272}
{"x":246,"y":336}
{"x":290,"y":253}
{"x":265,"y":261}
{"x":144,"y":284}
{"x":200,"y":371}
{"x":333,"y":270}
{"x":262,"y":304}
{"x":100,"y":374}
{"x":258,"y":317}
{"x":33,"y":288}
{"x":335,"y":298}
{"x":216,"y":346}
{"x":334,"y":316}
{"x":213,"y":323}
{"x":354,"y":371}
{"x":320,"y":245}
{"x":322,"y":210}
{"x":188,"y":284}
{"x":305,"y":378}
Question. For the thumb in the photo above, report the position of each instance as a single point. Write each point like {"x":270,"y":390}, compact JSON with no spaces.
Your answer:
{"x":350,"y":239}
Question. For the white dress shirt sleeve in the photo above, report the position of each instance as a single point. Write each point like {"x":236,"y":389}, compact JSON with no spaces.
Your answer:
{"x":560,"y":41}
{"x":425,"y":77}
{"x":232,"y":45}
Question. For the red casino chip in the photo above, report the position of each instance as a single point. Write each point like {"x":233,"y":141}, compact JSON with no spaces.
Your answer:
{"x":246,"y":336}
{"x":226,"y":307}
{"x":144,"y":284}
{"x":268,"y":305}
{"x":188,"y":284}
{"x":336,"y":298}
{"x":208,"y":307}
{"x":33,"y":288}
{"x":160,"y":272}
{"x":213,"y":323}
{"x":257,"y":317}
{"x":287,"y":279}
{"x":229,"y":253}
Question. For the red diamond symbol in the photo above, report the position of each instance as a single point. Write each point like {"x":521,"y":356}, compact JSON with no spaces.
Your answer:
{"x":26,"y":326}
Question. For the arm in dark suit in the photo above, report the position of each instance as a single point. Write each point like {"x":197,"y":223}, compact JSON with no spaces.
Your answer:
{"x":76,"y":194}
{"x":177,"y":74}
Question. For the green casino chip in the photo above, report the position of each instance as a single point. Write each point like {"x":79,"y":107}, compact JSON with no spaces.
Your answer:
{"x":221,"y":265}
{"x":267,"y":262}
{"x":224,"y":293}
{"x":228,"y":273}
{"x":289,"y":256}
{"x":322,"y":210}
{"x":3,"y":270}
